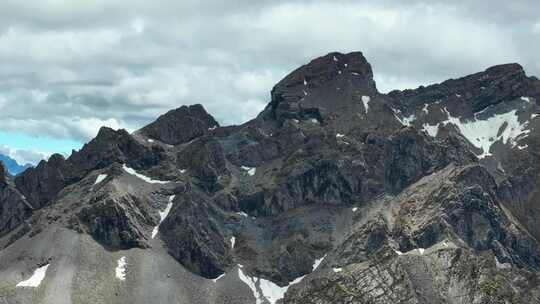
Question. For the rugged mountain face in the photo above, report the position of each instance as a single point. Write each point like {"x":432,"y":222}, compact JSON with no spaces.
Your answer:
{"x":335,"y":193}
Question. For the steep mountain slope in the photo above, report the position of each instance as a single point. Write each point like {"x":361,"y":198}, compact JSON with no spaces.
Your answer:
{"x":12,"y":166}
{"x":335,"y":193}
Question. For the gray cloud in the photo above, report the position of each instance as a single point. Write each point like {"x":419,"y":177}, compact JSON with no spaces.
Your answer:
{"x":78,"y":65}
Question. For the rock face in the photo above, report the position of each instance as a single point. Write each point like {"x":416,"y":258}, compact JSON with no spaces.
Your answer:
{"x":181,"y":125}
{"x":334,"y":193}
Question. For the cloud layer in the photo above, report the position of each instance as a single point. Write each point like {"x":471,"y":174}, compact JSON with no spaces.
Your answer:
{"x":78,"y":65}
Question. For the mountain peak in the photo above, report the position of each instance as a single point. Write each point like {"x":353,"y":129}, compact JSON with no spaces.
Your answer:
{"x":322,"y":85}
{"x":180,"y":125}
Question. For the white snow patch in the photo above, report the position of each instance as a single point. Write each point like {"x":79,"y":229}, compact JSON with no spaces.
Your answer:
{"x":425,"y":108}
{"x":365,"y":101}
{"x":305,"y":93}
{"x":346,"y":64}
{"x":502,"y":265}
{"x":533,"y":116}
{"x":458,"y":95}
{"x":339,"y":72}
{"x":233,"y":241}
{"x":150,"y":140}
{"x":100,"y":178}
{"x":121,"y":269}
{"x":162,"y":215}
{"x":143,"y":177}
{"x":354,"y":73}
{"x":431,"y":130}
{"x":483,"y":133}
{"x":314,"y":120}
{"x":404,"y":120}
{"x":335,"y":59}
{"x":220,"y":276}
{"x":336,"y":270}
{"x":242,"y":214}
{"x":527,"y":99}
{"x":182,"y":171}
{"x":251,"y":171}
{"x":36,"y":278}
{"x":354,"y":209}
{"x":212,"y":128}
{"x":339,"y":135}
{"x":318,"y":262}
{"x":398,"y":252}
{"x":421,"y":250}
{"x":305,"y":82}
{"x":525,"y":146}
{"x":263,"y":289}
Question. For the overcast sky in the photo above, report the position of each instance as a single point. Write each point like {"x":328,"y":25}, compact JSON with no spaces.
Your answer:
{"x":68,"y":67}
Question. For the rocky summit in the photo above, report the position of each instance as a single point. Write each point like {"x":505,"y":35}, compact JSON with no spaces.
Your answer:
{"x":334,"y":193}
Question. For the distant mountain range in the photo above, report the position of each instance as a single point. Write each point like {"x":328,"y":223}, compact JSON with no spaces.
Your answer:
{"x":12,"y":165}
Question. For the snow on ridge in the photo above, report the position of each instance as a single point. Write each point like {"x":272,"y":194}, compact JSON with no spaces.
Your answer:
{"x":36,"y":278}
{"x":365,"y":101}
{"x":143,"y":177}
{"x":527,"y":99}
{"x":249,"y":170}
{"x":100,"y":178}
{"x":162,"y":215}
{"x":120,"y":270}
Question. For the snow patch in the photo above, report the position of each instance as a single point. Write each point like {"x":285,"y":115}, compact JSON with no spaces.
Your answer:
{"x":335,"y":59}
{"x":533,"y":116}
{"x":354,"y":209}
{"x":431,"y":130}
{"x":150,"y":140}
{"x":502,"y":265}
{"x":398,"y":252}
{"x":120,"y":270}
{"x":425,"y":108}
{"x":336,"y":270}
{"x":264,"y":290}
{"x":314,"y":120}
{"x":404,"y":120}
{"x":483,"y":133}
{"x":233,"y":241}
{"x":318,"y":262}
{"x":182,"y":171}
{"x":421,"y":250}
{"x":365,"y":101}
{"x":100,"y":178}
{"x":305,"y":82}
{"x":212,"y":128}
{"x":36,"y":278}
{"x":216,"y":279}
{"x":251,"y":171}
{"x":162,"y":215}
{"x":242,"y":214}
{"x":339,"y":135}
{"x":527,"y":99}
{"x":525,"y":146}
{"x":143,"y":177}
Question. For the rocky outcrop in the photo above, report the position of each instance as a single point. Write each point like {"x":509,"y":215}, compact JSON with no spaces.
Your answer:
{"x":14,"y":209}
{"x":180,"y":125}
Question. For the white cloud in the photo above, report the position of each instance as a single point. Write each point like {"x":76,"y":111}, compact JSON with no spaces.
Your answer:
{"x":24,"y":156}
{"x":75,"y":66}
